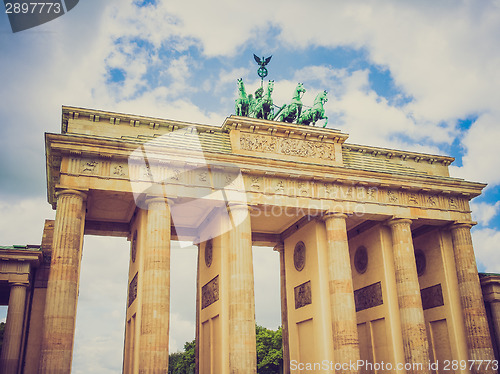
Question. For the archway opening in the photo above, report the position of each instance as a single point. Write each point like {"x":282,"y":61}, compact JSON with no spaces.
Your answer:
{"x":100,"y":319}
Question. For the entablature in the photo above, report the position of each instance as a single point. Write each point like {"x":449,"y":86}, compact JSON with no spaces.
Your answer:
{"x":83,"y":163}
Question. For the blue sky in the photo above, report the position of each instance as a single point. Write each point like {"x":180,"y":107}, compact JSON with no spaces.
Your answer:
{"x":419,"y":76}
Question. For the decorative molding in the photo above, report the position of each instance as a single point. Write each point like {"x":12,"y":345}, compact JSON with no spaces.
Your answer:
{"x":361,"y":259}
{"x":287,"y":146}
{"x":208,"y":252}
{"x":403,"y":155}
{"x":299,"y":256}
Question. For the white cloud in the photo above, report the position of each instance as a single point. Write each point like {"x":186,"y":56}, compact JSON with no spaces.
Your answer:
{"x":21,"y":220}
{"x":444,"y":55}
{"x":480,"y":162}
{"x":267,"y":287}
{"x":486,"y":248}
{"x":483,"y":212}
{"x":182,"y":330}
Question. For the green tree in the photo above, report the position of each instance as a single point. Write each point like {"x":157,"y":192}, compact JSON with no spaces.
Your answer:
{"x":173,"y":360}
{"x":183,"y":362}
{"x":269,"y":352}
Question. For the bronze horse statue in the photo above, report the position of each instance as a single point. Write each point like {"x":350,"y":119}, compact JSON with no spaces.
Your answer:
{"x":262,"y":106}
{"x":288,"y":113}
{"x":242,"y":103}
{"x":315,"y":113}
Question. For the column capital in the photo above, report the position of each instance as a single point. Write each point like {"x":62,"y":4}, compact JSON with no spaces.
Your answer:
{"x":22,"y":284}
{"x":151,"y":199}
{"x":279,"y":247}
{"x":462,"y":224}
{"x":82,"y":194}
{"x":398,"y":220}
{"x":237,"y":205}
{"x":329,"y":214}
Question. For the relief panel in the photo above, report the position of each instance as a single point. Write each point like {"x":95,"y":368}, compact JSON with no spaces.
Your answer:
{"x":432,"y":297}
{"x":132,"y":290}
{"x":368,"y":297}
{"x":303,"y":295}
{"x":210,"y":293}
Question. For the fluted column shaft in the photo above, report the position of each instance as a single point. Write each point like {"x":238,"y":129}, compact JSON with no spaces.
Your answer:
{"x":415,"y":344}
{"x":62,"y":285}
{"x":471,"y":297}
{"x":242,"y":349}
{"x":155,"y":309}
{"x":284,"y":310}
{"x":12,"y":337}
{"x":343,"y":310}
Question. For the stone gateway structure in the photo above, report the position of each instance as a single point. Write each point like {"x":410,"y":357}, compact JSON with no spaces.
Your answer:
{"x":376,"y":258}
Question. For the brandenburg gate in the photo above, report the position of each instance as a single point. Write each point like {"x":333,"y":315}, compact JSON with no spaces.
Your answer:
{"x":376,"y":258}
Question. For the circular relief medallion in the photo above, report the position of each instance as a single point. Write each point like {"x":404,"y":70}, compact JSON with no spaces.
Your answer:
{"x":134,"y":247}
{"x":208,"y":253}
{"x":361,"y":260}
{"x":420,"y":261}
{"x":299,"y":256}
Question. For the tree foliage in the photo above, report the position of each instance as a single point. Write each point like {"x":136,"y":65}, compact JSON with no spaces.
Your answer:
{"x":183,"y":362}
{"x":269,"y":354}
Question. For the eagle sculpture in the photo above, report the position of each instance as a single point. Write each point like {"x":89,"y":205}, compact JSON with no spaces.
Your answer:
{"x":262,"y":62}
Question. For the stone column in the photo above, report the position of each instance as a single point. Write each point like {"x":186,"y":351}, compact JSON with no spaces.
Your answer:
{"x":155,"y":308}
{"x":13,"y":333}
{"x":343,"y":310}
{"x":62,"y":285}
{"x":415,"y":344}
{"x":471,"y":297}
{"x":197,"y":328}
{"x":284,"y":310}
{"x":242,"y":350}
{"x":495,"y":315}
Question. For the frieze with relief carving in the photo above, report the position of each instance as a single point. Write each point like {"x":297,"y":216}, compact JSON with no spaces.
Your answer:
{"x":348,"y":192}
{"x":89,"y":166}
{"x":287,"y":146}
{"x":271,"y":184}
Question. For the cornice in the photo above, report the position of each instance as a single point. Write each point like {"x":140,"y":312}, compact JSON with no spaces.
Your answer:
{"x":122,"y":119}
{"x":394,"y":153}
{"x":284,"y":129}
